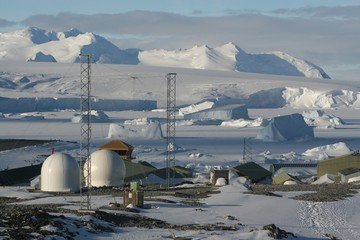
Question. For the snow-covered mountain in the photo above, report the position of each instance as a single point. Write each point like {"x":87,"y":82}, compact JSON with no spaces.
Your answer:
{"x":231,"y":57}
{"x":34,"y":44}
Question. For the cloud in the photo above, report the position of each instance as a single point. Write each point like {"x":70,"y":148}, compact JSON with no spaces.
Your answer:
{"x":6,"y":23}
{"x":323,"y":40}
{"x":340,"y":12}
{"x":196,"y":12}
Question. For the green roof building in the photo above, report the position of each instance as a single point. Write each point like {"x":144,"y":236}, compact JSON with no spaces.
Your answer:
{"x":252,"y":171}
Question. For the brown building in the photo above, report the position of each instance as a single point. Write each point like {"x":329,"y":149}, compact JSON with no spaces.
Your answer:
{"x":122,"y":148}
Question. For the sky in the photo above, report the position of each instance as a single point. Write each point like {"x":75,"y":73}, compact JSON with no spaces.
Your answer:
{"x":324,"y":32}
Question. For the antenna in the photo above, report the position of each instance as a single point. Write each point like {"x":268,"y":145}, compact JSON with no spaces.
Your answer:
{"x":170,"y":127}
{"x":247,"y":150}
{"x":85,"y":130}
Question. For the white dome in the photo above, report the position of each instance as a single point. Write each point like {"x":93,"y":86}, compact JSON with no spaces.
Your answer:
{"x":60,"y":173}
{"x":107,"y":169}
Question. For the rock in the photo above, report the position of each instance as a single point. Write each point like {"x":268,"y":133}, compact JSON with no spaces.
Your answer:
{"x":276,"y":232}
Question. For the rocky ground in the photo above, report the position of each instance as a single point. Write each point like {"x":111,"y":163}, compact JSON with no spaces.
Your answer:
{"x":316,"y":193}
{"x":38,"y":222}
{"x":49,"y":221}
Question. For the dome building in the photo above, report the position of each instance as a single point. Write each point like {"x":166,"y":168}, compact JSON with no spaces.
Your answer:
{"x":107,"y":169}
{"x":60,"y":173}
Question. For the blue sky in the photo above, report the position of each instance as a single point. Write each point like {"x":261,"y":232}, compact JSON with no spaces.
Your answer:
{"x":325,"y":32}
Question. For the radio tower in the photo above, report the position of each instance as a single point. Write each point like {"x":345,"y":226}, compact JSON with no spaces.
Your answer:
{"x":247,"y":150}
{"x":85,"y":131}
{"x":170,"y":127}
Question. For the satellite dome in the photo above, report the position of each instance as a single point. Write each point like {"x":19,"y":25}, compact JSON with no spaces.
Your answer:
{"x":60,"y":173}
{"x":107,"y":169}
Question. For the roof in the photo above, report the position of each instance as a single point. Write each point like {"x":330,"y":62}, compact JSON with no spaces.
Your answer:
{"x":254,"y":171}
{"x":162,"y":173}
{"x":137,"y":170}
{"x":19,"y":175}
{"x":276,"y":166}
{"x":116,"y":145}
{"x":353,"y":156}
{"x":184,"y":171}
{"x":348,"y":171}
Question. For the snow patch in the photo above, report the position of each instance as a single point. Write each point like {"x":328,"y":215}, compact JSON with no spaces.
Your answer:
{"x":220,"y":182}
{"x":325,"y":179}
{"x":354,"y":179}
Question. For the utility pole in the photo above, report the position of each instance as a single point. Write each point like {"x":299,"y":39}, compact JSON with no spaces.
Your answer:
{"x":85,"y":131}
{"x":170,"y":126}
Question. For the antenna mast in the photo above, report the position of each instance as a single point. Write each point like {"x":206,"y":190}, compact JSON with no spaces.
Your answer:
{"x":85,"y":130}
{"x":247,"y":150}
{"x":170,"y":127}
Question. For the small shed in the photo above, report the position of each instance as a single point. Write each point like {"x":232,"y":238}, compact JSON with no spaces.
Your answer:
{"x":122,"y":148}
{"x":253,"y":171}
{"x":215,"y":174}
{"x":284,"y":177}
{"x":348,"y":173}
{"x":135,"y":198}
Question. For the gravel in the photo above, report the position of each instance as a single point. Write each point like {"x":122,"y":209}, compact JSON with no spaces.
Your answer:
{"x":316,"y":193}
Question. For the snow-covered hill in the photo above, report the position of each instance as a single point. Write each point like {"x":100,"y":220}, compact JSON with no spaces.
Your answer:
{"x":34,"y":44}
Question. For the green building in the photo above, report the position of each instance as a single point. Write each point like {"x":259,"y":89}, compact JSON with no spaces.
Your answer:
{"x":334,"y":165}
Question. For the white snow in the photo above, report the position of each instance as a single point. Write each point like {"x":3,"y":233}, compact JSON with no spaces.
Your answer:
{"x":20,"y":193}
{"x":220,"y":182}
{"x":325,"y":179}
{"x":354,"y":179}
{"x":290,"y":182}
